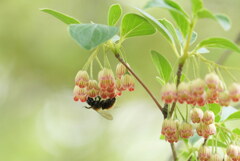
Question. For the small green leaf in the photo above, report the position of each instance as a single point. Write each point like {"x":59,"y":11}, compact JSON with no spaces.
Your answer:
{"x":160,"y":80}
{"x":114,"y":13}
{"x":219,"y":43}
{"x":197,"y":5}
{"x":223,"y":20}
{"x":236,"y":131}
{"x":158,"y":25}
{"x":62,"y":17}
{"x":211,"y":142}
{"x":162,"y":65}
{"x":202,"y":51}
{"x":234,"y":116}
{"x":215,"y":108}
{"x":193,"y":38}
{"x":169,"y":26}
{"x":90,"y":36}
{"x":162,"y":137}
{"x":178,"y":14}
{"x":135,"y":25}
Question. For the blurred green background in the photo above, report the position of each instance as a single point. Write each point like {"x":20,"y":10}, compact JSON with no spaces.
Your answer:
{"x":39,"y":121}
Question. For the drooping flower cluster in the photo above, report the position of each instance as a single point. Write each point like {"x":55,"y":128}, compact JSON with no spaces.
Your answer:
{"x":200,"y":92}
{"x":172,"y":130}
{"x":233,"y":152}
{"x":205,"y":121}
{"x":205,"y":154}
{"x":107,"y":85}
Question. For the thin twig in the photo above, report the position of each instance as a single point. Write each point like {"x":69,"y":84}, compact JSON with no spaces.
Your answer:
{"x":140,"y":81}
{"x":173,"y":151}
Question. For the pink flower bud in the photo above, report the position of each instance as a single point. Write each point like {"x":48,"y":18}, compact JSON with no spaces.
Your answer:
{"x":204,"y":153}
{"x":212,"y":80}
{"x":234,"y":92}
{"x":120,"y":70}
{"x":216,"y":157}
{"x":199,"y":129}
{"x":212,"y":96}
{"x":197,"y":87}
{"x":224,"y":99}
{"x":119,"y":85}
{"x":82,"y":79}
{"x":201,"y":99}
{"x":168,"y":93}
{"x":183,"y":92}
{"x":185,"y":130}
{"x":106,"y":78}
{"x":208,"y":117}
{"x":128,"y":82}
{"x":208,"y":130}
{"x":233,"y":152}
{"x":169,"y":127}
{"x":80,"y":94}
{"x":196,"y":115}
{"x":92,"y":89}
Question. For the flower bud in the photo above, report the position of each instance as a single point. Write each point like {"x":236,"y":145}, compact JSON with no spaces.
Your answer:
{"x":212,"y":80}
{"x":199,"y":129}
{"x":168,"y":93}
{"x":197,"y":87}
{"x":208,"y":117}
{"x":119,"y":85}
{"x":82,"y":79}
{"x":201,"y":99}
{"x":172,"y":138}
{"x":234,"y":92}
{"x":80,"y":94}
{"x":208,"y":130}
{"x":92,"y":89}
{"x":169,"y":127}
{"x":185,"y":130}
{"x":128,"y":82}
{"x":120,"y":70}
{"x":106,"y":78}
{"x":233,"y":151}
{"x":196,"y":115}
{"x":183,"y":92}
{"x":212,"y":96}
{"x":216,"y":157}
{"x":204,"y":153}
{"x":224,"y":99}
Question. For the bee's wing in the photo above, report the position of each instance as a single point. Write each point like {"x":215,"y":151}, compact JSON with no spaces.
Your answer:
{"x":105,"y":114}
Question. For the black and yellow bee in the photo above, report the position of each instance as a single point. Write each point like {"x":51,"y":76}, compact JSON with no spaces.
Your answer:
{"x":99,"y":105}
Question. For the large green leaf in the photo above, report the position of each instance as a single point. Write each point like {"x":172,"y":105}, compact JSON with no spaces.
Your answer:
{"x":236,"y":131}
{"x":90,"y":36}
{"x":62,"y":17}
{"x":197,"y":5}
{"x":135,"y":25}
{"x":234,"y":116}
{"x":114,"y":14}
{"x":219,"y":43}
{"x":215,"y":108}
{"x":162,"y":65}
{"x":223,"y":20}
{"x":169,"y":26}
{"x":178,"y":14}
{"x":158,"y":25}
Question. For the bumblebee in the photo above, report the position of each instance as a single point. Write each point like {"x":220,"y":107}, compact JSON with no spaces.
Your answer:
{"x":99,"y":105}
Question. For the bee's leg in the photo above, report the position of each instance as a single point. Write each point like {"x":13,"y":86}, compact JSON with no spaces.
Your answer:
{"x":87,"y":107}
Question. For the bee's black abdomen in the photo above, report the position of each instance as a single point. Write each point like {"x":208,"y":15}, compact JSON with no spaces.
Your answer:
{"x":108,"y":103}
{"x":97,"y":103}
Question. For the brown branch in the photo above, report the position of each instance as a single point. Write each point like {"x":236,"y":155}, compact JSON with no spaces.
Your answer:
{"x":174,"y":152}
{"x":140,"y":81}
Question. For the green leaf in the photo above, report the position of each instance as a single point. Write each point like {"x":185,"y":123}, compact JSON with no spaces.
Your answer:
{"x":90,"y":36}
{"x":135,"y":25}
{"x":215,"y":108}
{"x":162,"y":65}
{"x":219,"y":43}
{"x":197,"y":5}
{"x":234,"y":116}
{"x":114,"y":13}
{"x":211,"y":142}
{"x":223,"y":20}
{"x":236,"y":131}
{"x":62,"y":17}
{"x":162,"y":137}
{"x":178,"y":14}
{"x":158,"y":25}
{"x":169,"y":26}
{"x":227,"y":111}
{"x":193,"y":38}
{"x":160,"y":80}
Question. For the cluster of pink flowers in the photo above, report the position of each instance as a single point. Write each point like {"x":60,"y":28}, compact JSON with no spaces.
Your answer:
{"x":205,"y":154}
{"x":107,"y":85}
{"x":232,"y":151}
{"x":172,"y":130}
{"x":205,"y":122}
{"x":200,"y":92}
